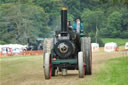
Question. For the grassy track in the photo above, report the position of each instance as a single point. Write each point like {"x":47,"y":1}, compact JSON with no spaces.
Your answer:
{"x":19,"y":67}
{"x":114,"y":72}
{"x":27,"y":70}
{"x":120,"y":42}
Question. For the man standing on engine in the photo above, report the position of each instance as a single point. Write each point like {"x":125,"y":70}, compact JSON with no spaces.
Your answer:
{"x":78,"y":27}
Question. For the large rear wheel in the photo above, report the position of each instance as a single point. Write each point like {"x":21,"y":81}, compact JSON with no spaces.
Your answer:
{"x":47,"y":46}
{"x":87,"y":52}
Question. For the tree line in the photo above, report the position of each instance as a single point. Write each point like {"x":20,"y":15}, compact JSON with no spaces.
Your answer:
{"x":23,"y":19}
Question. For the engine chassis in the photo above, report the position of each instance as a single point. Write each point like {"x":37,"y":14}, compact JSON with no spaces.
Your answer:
{"x":69,"y":64}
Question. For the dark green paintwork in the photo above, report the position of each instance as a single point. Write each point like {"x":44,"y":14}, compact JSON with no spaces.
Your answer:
{"x":70,"y":61}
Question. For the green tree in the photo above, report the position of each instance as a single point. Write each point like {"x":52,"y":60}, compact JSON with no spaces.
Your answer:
{"x":124,"y":23}
{"x":52,"y":7}
{"x":22,"y":21}
{"x":92,"y":21}
{"x":114,"y":24}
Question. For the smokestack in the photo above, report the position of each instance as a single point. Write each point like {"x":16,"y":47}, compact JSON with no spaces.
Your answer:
{"x":64,"y":19}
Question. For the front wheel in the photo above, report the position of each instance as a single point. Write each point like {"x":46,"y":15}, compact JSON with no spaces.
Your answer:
{"x":47,"y":66}
{"x":81,"y":65}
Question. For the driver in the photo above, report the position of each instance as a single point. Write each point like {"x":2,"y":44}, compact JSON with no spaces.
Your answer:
{"x":78,"y":26}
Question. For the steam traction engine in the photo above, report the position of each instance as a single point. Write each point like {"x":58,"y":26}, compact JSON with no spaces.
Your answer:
{"x":67,"y":50}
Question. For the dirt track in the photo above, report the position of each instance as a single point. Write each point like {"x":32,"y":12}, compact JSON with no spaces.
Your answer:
{"x":34,"y":75}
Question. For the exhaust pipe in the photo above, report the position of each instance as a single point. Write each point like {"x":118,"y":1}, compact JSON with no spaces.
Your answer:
{"x":64,"y":20}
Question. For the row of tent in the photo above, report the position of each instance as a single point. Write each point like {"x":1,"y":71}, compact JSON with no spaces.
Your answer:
{"x":17,"y":48}
{"x":12,"y":48}
{"x":108,"y":47}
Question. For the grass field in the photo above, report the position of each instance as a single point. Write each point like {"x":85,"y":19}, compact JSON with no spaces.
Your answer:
{"x":119,"y":41}
{"x":20,"y":67}
{"x":28,"y":70}
{"x":114,"y":72}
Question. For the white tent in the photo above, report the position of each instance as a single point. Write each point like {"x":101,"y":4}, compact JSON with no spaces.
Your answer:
{"x":12,"y":48}
{"x":110,"y":47}
{"x":95,"y":47}
{"x":0,"y":47}
{"x":126,"y":45}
